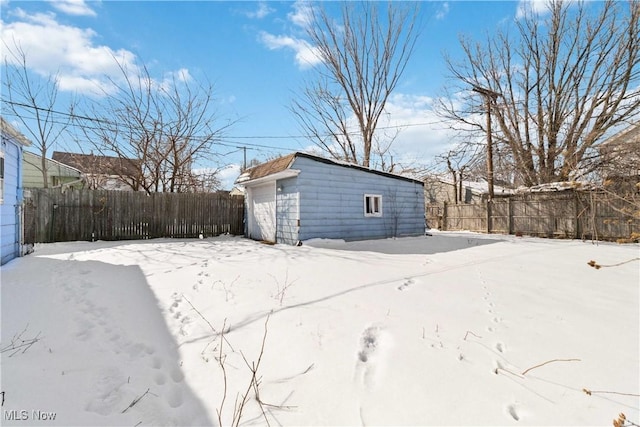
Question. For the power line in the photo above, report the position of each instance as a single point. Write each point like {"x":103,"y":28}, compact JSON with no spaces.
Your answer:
{"x":280,"y":137}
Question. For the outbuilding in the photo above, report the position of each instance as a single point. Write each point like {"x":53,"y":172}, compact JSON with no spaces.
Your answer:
{"x":302,"y":196}
{"x":11,"y":197}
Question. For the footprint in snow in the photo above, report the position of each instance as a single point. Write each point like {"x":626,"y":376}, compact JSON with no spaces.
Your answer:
{"x":512,"y":412}
{"x":369,"y":356}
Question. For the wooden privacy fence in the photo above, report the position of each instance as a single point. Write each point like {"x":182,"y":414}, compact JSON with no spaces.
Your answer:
{"x":52,"y":215}
{"x":579,"y":215}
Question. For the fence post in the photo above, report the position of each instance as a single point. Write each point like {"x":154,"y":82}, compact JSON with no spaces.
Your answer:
{"x":509,"y":216}
{"x":444,"y":216}
{"x":576,"y":202}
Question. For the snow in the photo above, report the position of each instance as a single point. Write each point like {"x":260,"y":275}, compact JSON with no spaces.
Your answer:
{"x":432,"y":330}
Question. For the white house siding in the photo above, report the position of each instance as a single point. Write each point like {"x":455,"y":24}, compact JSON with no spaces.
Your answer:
{"x":10,"y":205}
{"x":287,"y":211}
{"x":262,"y":212}
{"x":331,"y":203}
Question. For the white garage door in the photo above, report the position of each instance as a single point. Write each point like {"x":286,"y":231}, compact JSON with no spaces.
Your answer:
{"x":262,"y":221}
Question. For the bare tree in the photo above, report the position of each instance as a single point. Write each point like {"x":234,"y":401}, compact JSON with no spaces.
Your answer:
{"x":362,"y":58}
{"x":565,"y":81}
{"x":33,"y":101}
{"x":163,"y":128}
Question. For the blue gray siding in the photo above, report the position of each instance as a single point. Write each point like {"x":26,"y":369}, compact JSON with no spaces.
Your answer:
{"x":331,"y":203}
{"x":12,"y":199}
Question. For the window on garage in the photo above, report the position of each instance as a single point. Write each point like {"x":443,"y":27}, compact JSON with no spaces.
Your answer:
{"x":372,"y":205}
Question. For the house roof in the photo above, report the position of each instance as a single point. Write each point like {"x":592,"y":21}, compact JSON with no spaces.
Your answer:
{"x":478,"y":187}
{"x":283,"y":163}
{"x":103,"y":165}
{"x":628,"y":134}
{"x":8,"y":129}
{"x":61,"y":168}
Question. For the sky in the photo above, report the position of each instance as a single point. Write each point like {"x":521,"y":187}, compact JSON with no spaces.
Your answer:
{"x":254,"y":53}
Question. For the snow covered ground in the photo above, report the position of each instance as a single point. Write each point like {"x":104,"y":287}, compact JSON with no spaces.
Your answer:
{"x":449,"y":329}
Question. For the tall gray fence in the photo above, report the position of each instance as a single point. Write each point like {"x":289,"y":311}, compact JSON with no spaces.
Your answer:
{"x":571,"y":214}
{"x":52,"y":215}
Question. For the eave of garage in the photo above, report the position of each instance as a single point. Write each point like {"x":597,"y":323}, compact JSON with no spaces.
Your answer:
{"x":287,"y":173}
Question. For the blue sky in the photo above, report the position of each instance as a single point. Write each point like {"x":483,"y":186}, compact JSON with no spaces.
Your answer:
{"x":253,"y":52}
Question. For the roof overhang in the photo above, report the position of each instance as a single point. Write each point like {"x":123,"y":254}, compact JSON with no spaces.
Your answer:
{"x":287,"y":173}
{"x":13,"y":133}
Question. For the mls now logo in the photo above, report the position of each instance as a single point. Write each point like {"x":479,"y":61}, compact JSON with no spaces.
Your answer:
{"x":24,"y":415}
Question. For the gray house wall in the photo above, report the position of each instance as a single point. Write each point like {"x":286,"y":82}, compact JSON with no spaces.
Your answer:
{"x":331,"y":204}
{"x":11,"y":197}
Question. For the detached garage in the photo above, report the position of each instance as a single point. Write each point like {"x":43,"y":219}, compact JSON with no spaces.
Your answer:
{"x":301,"y":196}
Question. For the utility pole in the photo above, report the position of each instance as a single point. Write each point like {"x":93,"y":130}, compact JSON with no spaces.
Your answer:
{"x":490,"y":97}
{"x":244,"y":152}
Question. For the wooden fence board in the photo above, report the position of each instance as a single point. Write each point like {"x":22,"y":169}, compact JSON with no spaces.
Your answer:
{"x":52,"y":215}
{"x":578,"y":214}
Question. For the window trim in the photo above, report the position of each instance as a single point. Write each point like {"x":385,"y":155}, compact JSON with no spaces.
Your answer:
{"x":370,"y":202}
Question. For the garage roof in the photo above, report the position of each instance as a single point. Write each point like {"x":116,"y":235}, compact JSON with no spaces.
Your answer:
{"x":283,"y":163}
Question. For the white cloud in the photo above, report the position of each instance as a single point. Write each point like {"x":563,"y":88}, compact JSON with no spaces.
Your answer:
{"x":306,"y":55}
{"x":261,"y":12}
{"x":73,"y":7}
{"x":172,"y":78}
{"x":443,"y":11}
{"x":302,"y":14}
{"x":70,"y":53}
{"x":422,"y":135}
{"x":535,"y":6}
{"x":228,"y":175}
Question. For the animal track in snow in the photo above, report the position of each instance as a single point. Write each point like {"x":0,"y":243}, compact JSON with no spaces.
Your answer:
{"x":156,"y":363}
{"x":177,"y":375}
{"x":175,"y":398}
{"x":185,"y":321}
{"x":500,"y":347}
{"x":405,"y":284}
{"x":160,"y":378}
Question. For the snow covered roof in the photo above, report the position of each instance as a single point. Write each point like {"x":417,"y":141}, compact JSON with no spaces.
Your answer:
{"x":479,"y":187}
{"x":558,"y":186}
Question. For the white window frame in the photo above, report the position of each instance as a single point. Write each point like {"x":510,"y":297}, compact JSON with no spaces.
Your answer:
{"x":373,"y":205}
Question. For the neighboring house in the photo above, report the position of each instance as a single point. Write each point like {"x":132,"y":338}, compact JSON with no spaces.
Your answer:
{"x":300,"y":196}
{"x":58,"y":174}
{"x":11,"y":214}
{"x":439,"y":190}
{"x":237,"y":191}
{"x":620,"y":155}
{"x":102,"y":172}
